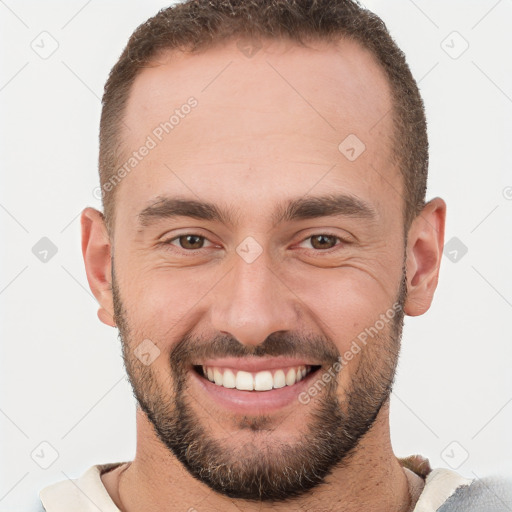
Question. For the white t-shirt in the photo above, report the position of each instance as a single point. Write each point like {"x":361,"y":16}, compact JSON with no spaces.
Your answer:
{"x":87,"y":493}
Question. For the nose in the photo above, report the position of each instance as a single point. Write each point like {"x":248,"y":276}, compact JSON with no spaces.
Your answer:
{"x":253,"y":302}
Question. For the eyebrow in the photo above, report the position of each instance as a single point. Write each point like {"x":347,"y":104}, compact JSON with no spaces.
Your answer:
{"x":296,"y":209}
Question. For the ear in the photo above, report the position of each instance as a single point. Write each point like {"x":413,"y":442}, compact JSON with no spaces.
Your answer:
{"x":96,"y":250}
{"x":424,"y":252}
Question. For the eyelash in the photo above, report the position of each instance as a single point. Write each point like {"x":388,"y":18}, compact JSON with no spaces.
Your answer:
{"x":168,"y":243}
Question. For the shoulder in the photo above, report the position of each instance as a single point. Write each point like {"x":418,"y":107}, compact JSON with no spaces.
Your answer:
{"x":77,"y":494}
{"x":447,"y":491}
{"x":489,"y":494}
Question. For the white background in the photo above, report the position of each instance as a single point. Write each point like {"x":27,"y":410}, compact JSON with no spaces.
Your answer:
{"x":61,"y":374}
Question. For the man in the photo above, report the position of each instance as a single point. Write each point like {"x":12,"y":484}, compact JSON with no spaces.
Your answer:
{"x":263,"y":170}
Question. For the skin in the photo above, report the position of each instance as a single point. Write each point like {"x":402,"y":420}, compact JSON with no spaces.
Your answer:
{"x":251,"y":143}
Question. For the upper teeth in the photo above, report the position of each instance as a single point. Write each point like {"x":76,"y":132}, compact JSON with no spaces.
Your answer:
{"x":260,"y":381}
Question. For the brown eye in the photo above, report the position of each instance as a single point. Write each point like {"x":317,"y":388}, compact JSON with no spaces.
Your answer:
{"x":323,"y":241}
{"x":191,"y":241}
{"x":187,"y":243}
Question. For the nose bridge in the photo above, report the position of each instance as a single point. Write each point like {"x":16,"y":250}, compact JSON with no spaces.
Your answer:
{"x":253,"y":302}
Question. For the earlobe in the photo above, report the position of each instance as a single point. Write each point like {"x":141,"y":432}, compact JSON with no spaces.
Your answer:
{"x":106,"y":317}
{"x":96,"y":250}
{"x":424,"y":252}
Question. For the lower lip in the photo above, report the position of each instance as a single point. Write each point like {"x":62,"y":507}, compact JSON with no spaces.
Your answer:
{"x":253,"y":402}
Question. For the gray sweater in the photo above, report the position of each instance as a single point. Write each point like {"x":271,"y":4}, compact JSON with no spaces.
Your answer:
{"x":490,"y":494}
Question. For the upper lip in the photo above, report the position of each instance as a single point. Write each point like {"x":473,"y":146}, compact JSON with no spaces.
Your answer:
{"x":256,"y":364}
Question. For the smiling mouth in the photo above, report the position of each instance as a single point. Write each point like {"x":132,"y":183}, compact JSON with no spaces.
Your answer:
{"x":265,"y":380}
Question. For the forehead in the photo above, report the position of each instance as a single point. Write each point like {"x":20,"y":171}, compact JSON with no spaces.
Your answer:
{"x":272,"y":120}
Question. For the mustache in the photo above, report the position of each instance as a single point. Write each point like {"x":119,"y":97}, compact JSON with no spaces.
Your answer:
{"x":192,"y":349}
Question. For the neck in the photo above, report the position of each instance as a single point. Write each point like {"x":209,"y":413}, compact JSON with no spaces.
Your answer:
{"x":372,"y":479}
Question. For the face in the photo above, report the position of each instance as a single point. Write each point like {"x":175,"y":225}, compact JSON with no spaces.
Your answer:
{"x":249,"y":250}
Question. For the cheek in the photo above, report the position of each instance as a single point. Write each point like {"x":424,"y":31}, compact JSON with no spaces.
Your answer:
{"x":344,"y":301}
{"x":160,"y":303}
{"x":349,"y":307}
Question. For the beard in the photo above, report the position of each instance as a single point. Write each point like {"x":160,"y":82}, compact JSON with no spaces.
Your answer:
{"x":261,"y":468}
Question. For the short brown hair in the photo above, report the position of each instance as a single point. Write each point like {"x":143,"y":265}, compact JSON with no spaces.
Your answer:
{"x":196,"y":25}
